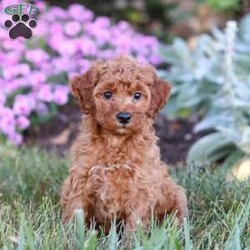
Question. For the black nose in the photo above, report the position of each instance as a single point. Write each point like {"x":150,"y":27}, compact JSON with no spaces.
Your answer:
{"x":123,"y":117}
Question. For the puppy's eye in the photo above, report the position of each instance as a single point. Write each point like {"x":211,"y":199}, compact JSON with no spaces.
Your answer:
{"x":107,"y":95}
{"x":137,"y":95}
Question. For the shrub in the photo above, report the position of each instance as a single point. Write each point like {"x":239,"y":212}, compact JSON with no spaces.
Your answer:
{"x":34,"y":73}
{"x":213,"y":81}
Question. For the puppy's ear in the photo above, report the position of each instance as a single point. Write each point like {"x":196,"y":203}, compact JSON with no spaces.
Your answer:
{"x":159,"y":95}
{"x":82,"y":88}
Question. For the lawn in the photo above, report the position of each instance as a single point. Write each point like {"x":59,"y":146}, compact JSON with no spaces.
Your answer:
{"x":30,"y":181}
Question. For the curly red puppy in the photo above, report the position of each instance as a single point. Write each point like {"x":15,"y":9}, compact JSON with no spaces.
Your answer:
{"x":116,"y":169}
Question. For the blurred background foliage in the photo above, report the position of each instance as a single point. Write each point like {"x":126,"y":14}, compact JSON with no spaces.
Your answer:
{"x":210,"y":79}
{"x":167,"y":18}
{"x":207,"y":65}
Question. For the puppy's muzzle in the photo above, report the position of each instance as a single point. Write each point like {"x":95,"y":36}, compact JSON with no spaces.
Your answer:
{"x":123,"y":117}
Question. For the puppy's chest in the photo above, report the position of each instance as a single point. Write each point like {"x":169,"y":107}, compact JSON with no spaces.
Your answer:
{"x":113,"y":178}
{"x":116,"y":181}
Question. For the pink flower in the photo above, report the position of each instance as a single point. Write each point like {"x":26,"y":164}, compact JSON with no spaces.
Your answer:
{"x":41,"y":29}
{"x":83,"y":65}
{"x":14,"y":71}
{"x":72,"y":74}
{"x":123,"y":26}
{"x":155,"y":59}
{"x":88,"y":47}
{"x":45,"y":93}
{"x":41,"y":109}
{"x":78,"y":12}
{"x":45,"y":68}
{"x":7,"y":120}
{"x":56,"y":12}
{"x":61,"y":95}
{"x":16,"y":84}
{"x":41,"y":5}
{"x":23,"y":105}
{"x":22,"y":122}
{"x":36,"y":78}
{"x":123,"y":44}
{"x":9,"y":72}
{"x":56,"y":28}
{"x":103,"y":22}
{"x":2,"y":98}
{"x":6,"y":113}
{"x":17,"y":45}
{"x":63,"y":64}
{"x":15,"y":138}
{"x":107,"y":54}
{"x":88,"y":15}
{"x":36,"y":56}
{"x":66,"y":47}
{"x":72,"y":28}
{"x":11,"y":58}
{"x":7,"y":127}
{"x":142,"y":59}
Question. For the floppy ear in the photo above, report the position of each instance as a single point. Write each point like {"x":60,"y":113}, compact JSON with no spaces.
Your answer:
{"x":82,"y":89}
{"x":159,"y":95}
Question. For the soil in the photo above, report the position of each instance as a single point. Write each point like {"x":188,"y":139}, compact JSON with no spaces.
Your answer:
{"x":176,"y":136}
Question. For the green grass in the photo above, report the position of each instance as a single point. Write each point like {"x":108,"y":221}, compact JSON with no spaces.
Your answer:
{"x":30,"y":217}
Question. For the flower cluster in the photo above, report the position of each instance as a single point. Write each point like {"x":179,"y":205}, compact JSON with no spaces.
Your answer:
{"x":34,"y":73}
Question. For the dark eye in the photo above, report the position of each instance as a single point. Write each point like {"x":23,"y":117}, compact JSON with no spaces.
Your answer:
{"x":137,"y":95}
{"x":107,"y":95}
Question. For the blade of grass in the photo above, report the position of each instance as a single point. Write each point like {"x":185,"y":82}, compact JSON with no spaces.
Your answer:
{"x":80,"y":229}
{"x":91,"y":242}
{"x":113,"y":237}
{"x":21,"y":241}
{"x":188,"y":245}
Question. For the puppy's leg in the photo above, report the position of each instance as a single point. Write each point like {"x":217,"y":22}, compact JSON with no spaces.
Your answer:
{"x":74,"y":195}
{"x":173,"y":200}
{"x":137,"y":214}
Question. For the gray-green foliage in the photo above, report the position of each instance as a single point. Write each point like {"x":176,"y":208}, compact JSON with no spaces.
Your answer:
{"x":213,"y":80}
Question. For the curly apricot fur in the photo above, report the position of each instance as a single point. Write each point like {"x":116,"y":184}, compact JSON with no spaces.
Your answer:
{"x":116,"y":170}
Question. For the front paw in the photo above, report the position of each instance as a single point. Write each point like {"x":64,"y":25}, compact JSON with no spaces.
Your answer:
{"x":181,"y":207}
{"x":70,"y":211}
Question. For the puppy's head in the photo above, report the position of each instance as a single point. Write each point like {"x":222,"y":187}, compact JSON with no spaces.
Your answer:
{"x":121,"y":94}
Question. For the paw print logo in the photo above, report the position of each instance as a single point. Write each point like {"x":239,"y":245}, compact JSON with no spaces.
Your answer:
{"x":20,"y":27}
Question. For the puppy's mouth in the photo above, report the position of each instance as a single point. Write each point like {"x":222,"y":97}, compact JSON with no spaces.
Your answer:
{"x":123,"y":128}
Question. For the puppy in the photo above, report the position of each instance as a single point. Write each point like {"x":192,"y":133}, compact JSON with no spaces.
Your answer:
{"x":116,"y":170}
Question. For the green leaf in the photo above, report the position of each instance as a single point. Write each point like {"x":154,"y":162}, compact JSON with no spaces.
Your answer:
{"x":21,"y":241}
{"x":91,"y":242}
{"x":234,"y":242}
{"x":244,"y":144}
{"x":188,"y":245}
{"x":209,"y":149}
{"x":113,"y":237}
{"x":80,"y":229}
{"x":232,"y":158}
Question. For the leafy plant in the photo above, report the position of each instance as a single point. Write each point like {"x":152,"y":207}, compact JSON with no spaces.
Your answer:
{"x":225,"y":5}
{"x":213,"y":81}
